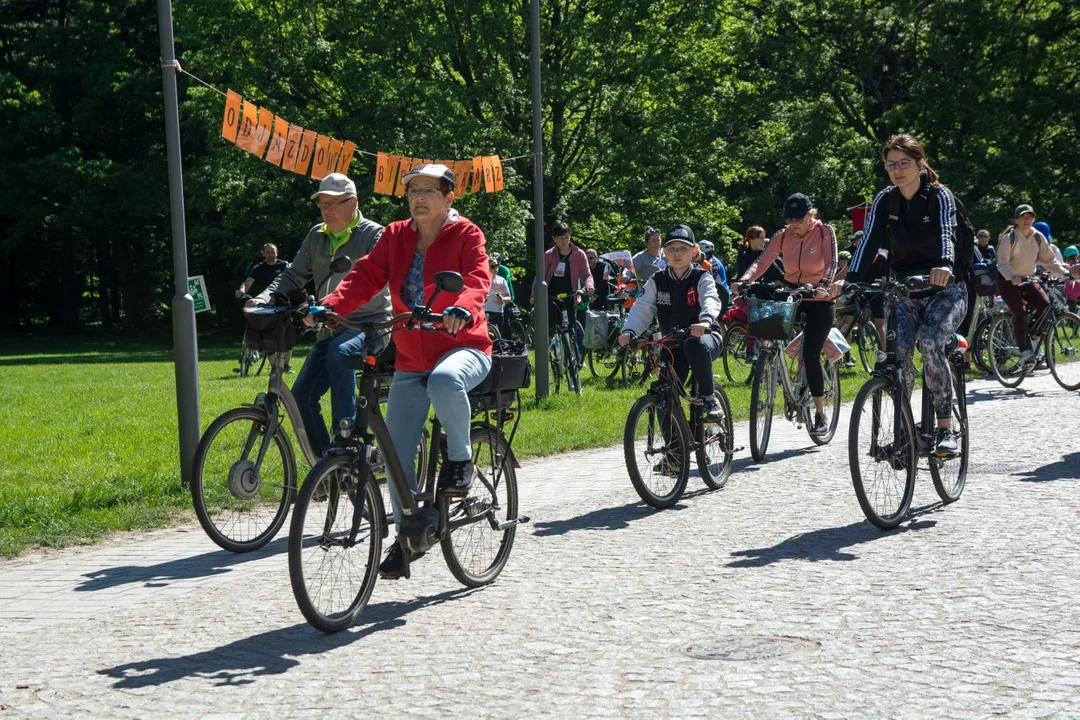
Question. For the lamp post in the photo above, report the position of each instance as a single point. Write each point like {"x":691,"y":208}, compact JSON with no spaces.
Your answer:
{"x":540,"y":289}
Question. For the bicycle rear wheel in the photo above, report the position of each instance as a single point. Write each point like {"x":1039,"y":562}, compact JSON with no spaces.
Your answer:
{"x":248,"y":357}
{"x":881,"y":455}
{"x":737,"y":363}
{"x":657,"y":452}
{"x":1063,"y":350}
{"x":762,"y":401}
{"x":573,"y":363}
{"x":979,"y":344}
{"x":832,"y":400}
{"x":717,"y":451}
{"x":475,"y":549}
{"x":1004,"y":353}
{"x":950,"y":474}
{"x":869,"y":344}
{"x":242,"y":503}
{"x":334,"y":543}
{"x":556,"y":351}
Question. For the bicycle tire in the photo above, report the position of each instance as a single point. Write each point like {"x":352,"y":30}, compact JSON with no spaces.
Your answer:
{"x":555,"y":360}
{"x":883,"y":457}
{"x":1004,"y":354}
{"x":950,"y":474}
{"x":762,"y":406}
{"x":1064,"y":339}
{"x":316,"y":534}
{"x":979,"y":345}
{"x":262,"y":364}
{"x":466,"y":544}
{"x":869,"y":344}
{"x":737,"y":367}
{"x":230,"y":494}
{"x":665,"y":460}
{"x":716,"y":453}
{"x":247,"y":359}
{"x":833,"y":397}
{"x":573,"y":364}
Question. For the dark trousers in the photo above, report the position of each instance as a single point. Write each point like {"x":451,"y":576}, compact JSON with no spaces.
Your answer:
{"x":819,"y":320}
{"x":698,"y":354}
{"x":1019,"y":298}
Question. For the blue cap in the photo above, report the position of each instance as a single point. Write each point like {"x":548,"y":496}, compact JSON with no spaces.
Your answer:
{"x":1044,"y":228}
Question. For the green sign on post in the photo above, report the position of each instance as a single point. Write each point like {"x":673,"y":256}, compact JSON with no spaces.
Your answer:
{"x":197,"y":289}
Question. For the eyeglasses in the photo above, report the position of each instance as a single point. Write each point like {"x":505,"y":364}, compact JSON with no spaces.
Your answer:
{"x":678,"y":249}
{"x":424,"y":192}
{"x":901,"y":164}
{"x":323,"y":205}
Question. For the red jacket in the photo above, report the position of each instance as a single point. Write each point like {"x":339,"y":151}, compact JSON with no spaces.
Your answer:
{"x":459,"y":247}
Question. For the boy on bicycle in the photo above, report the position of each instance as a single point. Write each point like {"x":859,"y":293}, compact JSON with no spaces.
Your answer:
{"x":683,"y":296}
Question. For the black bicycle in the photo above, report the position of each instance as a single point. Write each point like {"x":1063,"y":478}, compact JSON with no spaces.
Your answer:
{"x":858,"y":326}
{"x":564,"y":350}
{"x":340,"y":518}
{"x":659,"y":438}
{"x":885,"y":446}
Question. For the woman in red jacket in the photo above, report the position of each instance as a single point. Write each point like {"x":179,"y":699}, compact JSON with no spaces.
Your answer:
{"x":432,"y":369}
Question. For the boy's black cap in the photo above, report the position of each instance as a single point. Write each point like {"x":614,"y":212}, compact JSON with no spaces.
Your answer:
{"x":680,"y":233}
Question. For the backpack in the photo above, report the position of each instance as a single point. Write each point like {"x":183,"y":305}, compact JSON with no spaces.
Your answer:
{"x":965,"y":247}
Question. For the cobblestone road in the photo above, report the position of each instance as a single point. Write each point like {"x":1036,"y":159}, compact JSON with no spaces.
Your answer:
{"x":967,"y":611}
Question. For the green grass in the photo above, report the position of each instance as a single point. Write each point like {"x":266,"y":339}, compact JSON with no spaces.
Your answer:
{"x":88,"y":431}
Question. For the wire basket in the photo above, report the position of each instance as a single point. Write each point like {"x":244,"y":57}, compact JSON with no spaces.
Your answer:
{"x":769,"y":319}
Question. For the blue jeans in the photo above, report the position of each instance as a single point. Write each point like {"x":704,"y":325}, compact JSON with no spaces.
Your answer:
{"x":446,"y":387}
{"x":324,"y":369}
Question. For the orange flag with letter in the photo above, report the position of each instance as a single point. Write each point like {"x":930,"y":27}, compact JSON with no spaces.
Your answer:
{"x":346,"y":157}
{"x":334,"y":158}
{"x":477,"y":174}
{"x":489,"y":174}
{"x":262,"y":131}
{"x":304,"y":152}
{"x":497,"y":168}
{"x":277,"y":141}
{"x":382,"y":161}
{"x":245,"y":138}
{"x":403,"y":167}
{"x":321,"y":163}
{"x":292,"y":147}
{"x":462,"y":171}
{"x":231,"y":122}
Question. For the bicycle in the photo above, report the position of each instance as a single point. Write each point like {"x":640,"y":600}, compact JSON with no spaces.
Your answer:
{"x":861,"y":331}
{"x":738,"y":358}
{"x":659,"y":434}
{"x":340,"y":519}
{"x":608,"y":361}
{"x":791,"y":376}
{"x":980,"y":338}
{"x":882,"y":426}
{"x":519,"y":323}
{"x":1052,"y":337}
{"x":564,"y":351}
{"x":244,"y":471}
{"x":249,"y":356}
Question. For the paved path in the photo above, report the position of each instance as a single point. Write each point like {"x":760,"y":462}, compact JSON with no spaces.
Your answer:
{"x":967,"y":611}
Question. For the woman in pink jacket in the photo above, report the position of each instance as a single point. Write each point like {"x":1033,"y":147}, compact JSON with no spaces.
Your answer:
{"x":808,"y":249}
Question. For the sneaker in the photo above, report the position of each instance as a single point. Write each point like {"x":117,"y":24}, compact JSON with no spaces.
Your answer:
{"x":821,"y":424}
{"x":393,"y":565}
{"x":710,"y":406}
{"x":945,"y":443}
{"x":849,"y":362}
{"x":1027,"y":357}
{"x":455,"y":477}
{"x":668,"y":466}
{"x":288,"y":369}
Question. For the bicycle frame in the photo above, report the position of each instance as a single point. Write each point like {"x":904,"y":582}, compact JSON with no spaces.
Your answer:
{"x":673,"y":393}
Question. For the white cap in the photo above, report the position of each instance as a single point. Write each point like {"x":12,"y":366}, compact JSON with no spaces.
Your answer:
{"x":435,"y":170}
{"x":335,"y":184}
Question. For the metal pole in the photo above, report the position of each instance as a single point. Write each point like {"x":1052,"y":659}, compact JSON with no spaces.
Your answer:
{"x":185,"y":341}
{"x":540,"y":294}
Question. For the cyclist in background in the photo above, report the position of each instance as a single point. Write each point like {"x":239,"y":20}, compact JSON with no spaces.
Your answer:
{"x":918,"y":240}
{"x":566,"y":271}
{"x":683,"y":297}
{"x":808,"y":247}
{"x":1072,"y":287}
{"x":604,"y":274}
{"x":750,"y":249}
{"x":649,"y":260}
{"x":719,"y":273}
{"x":498,"y":299}
{"x":259,"y":278}
{"x":504,"y":272}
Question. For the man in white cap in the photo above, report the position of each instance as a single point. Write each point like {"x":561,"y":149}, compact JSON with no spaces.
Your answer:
{"x":344,"y":232}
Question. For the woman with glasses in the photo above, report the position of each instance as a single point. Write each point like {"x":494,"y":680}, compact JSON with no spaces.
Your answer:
{"x":432,"y":369}
{"x":912,"y":223}
{"x":808,"y":249}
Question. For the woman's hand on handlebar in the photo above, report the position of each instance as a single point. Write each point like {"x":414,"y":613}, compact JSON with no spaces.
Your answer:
{"x":316,"y":314}
{"x":455,"y":318}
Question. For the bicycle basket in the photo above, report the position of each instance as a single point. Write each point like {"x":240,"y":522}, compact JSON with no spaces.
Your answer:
{"x":510,"y":369}
{"x":269,"y":328}
{"x":769,"y":319}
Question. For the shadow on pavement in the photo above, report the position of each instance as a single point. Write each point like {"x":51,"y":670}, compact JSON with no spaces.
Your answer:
{"x":269,"y":653}
{"x":747,"y":462}
{"x":160,"y":575}
{"x":827,"y":543}
{"x":615,"y":518}
{"x":1067,"y":468}
{"x":1002,"y":393}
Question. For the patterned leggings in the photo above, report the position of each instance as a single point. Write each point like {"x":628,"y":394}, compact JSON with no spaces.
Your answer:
{"x":937,"y":318}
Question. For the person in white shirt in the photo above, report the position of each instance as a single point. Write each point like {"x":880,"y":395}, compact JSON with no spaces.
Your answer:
{"x":497,"y":298}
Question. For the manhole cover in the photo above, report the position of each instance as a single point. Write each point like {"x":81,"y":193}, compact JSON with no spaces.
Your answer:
{"x":746,"y":648}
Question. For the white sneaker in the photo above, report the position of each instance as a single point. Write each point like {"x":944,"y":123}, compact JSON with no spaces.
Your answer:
{"x":1027,"y":357}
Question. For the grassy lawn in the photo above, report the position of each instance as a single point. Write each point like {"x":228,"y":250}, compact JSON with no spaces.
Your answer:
{"x":88,"y":430}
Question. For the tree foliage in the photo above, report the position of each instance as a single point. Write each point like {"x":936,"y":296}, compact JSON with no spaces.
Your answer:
{"x":655,"y":112}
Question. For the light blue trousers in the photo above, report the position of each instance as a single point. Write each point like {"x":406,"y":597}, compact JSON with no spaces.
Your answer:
{"x":446,"y":388}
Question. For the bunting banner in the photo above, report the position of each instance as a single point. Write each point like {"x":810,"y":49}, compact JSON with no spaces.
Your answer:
{"x":306,"y":152}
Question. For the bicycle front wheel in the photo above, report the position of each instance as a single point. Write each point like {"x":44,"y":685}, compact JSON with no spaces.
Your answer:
{"x":949,"y":474}
{"x":980,"y":344}
{"x":1004,"y":353}
{"x":737,"y":363}
{"x":573,"y":364}
{"x":881,"y":454}
{"x":1063,"y":350}
{"x":762,"y":401}
{"x":334,"y":543}
{"x":556,"y":350}
{"x":248,"y":357}
{"x":475,"y":548}
{"x":717,"y":449}
{"x":657,"y":452}
{"x":832,"y":400}
{"x":241,"y":502}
